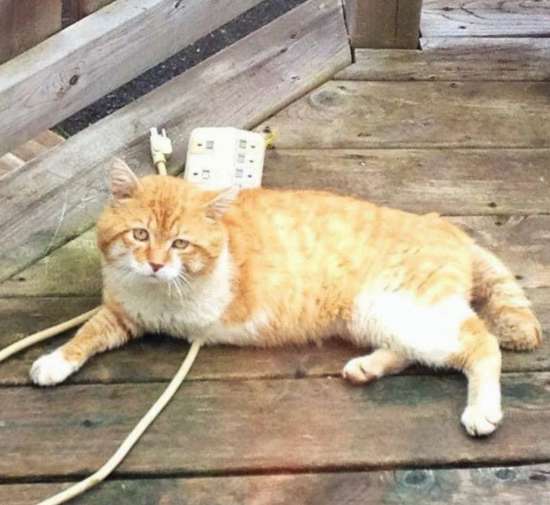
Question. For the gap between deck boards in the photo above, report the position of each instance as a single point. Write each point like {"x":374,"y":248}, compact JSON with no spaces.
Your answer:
{"x":406,"y":487}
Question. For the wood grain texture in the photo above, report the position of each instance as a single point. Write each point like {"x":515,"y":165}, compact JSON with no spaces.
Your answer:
{"x":486,"y":18}
{"x":448,"y":181}
{"x":74,"y":269}
{"x":71,"y":70}
{"x":353,"y":114}
{"x":25,"y":23}
{"x":383,"y":23}
{"x":460,"y":59}
{"x":517,"y":485}
{"x":156,"y":358}
{"x":213,"y":427}
{"x":240,"y":86}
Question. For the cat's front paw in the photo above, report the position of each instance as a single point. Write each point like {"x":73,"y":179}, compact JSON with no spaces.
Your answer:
{"x":51,"y":369}
{"x":481,"y":421}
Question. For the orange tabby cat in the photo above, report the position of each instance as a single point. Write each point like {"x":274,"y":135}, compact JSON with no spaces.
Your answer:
{"x":264,"y":267}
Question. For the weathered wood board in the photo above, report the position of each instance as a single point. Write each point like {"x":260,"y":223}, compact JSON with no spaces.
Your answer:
{"x":353,"y":114}
{"x":157,"y":358}
{"x":455,"y":59}
{"x":72,"y":69}
{"x":517,"y":485}
{"x":485,"y":18}
{"x":457,"y":181}
{"x":213,"y":427}
{"x":240,"y":86}
{"x":74,"y":269}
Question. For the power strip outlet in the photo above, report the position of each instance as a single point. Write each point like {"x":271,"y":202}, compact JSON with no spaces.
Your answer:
{"x":219,"y":158}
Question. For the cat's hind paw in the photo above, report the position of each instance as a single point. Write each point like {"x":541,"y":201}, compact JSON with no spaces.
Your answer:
{"x":51,"y":369}
{"x":479,"y":421}
{"x":360,"y":371}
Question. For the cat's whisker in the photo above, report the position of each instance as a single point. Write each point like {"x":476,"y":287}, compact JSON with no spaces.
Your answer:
{"x":178,"y":289}
{"x":184,"y":278}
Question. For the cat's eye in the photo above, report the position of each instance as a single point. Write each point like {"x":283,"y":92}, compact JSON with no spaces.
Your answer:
{"x":141,"y":234}
{"x":180,"y":243}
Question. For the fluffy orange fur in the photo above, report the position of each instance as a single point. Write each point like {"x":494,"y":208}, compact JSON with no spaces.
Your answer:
{"x":269,"y":267}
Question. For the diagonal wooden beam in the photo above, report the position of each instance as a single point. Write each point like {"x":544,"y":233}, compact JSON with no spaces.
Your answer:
{"x":96,"y":55}
{"x":59,"y":196}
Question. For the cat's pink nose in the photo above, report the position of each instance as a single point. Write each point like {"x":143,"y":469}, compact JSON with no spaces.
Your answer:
{"x":155,"y":266}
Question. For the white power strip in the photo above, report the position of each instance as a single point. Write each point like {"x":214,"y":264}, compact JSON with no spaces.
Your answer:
{"x":219,"y":158}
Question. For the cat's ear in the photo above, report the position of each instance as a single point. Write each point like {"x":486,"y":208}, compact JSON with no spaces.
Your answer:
{"x":218,"y":206}
{"x":122,"y":181}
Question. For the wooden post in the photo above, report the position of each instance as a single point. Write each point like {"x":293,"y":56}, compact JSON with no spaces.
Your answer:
{"x":78,"y":9}
{"x":25,"y":23}
{"x":379,"y":24}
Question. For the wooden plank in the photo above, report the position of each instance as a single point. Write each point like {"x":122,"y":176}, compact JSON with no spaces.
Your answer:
{"x":486,"y":18}
{"x":74,"y":269}
{"x":383,"y":23}
{"x":29,"y":150}
{"x":352,"y":114}
{"x":240,"y":86}
{"x":457,"y":181}
{"x":71,"y":270}
{"x":213,"y":427}
{"x":25,"y":23}
{"x":156,"y":358}
{"x":517,"y":485}
{"x":9,"y":162}
{"x":49,"y":138}
{"x":105,"y":50}
{"x":449,"y":59}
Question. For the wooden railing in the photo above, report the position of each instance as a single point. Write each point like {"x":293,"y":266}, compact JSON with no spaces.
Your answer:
{"x":87,"y":60}
{"x":71,"y":69}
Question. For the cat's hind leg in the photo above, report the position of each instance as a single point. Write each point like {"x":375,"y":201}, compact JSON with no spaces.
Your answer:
{"x":480,"y":360}
{"x":443,"y":334}
{"x":374,"y":365}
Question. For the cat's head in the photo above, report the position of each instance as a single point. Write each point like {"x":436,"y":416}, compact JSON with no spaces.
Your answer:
{"x":161,"y":228}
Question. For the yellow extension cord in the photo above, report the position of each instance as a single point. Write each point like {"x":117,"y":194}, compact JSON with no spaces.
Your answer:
{"x":161,"y":147}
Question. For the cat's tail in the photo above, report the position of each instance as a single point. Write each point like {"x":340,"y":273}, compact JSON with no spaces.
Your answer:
{"x":502,"y":304}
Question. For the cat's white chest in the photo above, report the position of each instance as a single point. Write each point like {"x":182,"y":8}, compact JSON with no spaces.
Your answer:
{"x":193,"y":311}
{"x":178,"y":313}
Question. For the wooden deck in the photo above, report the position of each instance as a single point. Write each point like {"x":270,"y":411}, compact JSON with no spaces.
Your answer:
{"x":461,"y":127}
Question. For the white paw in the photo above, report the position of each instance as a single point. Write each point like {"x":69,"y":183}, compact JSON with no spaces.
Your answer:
{"x":480,"y":421}
{"x":51,"y":369}
{"x":360,"y":370}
